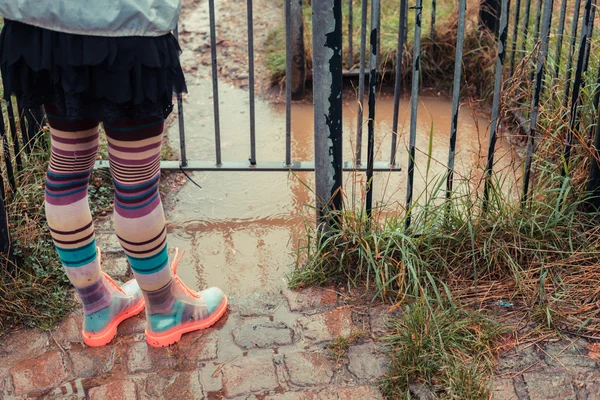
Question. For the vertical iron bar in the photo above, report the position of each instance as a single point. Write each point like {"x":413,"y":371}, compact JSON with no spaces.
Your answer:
{"x":496,"y":101}
{"x":5,"y":246}
{"x":525,"y":27}
{"x":327,"y":98}
{"x":379,"y":66}
{"x":462,"y":9}
{"x":559,"y":40}
{"x":13,"y":134}
{"x":215,"y":79}
{"x":588,"y":44}
{"x":536,"y":33}
{"x":515,"y":37}
{"x":414,"y":103}
{"x":6,"y":150}
{"x":402,"y":26}
{"x":251,"y":82}
{"x":182,"y":149}
{"x":288,"y":82}
{"x":573,"y":120}
{"x":350,"y":55}
{"x":361,"y":81}
{"x":593,"y":186}
{"x":25,"y":134}
{"x":537,"y":90}
{"x":373,"y":80}
{"x":433,"y":12}
{"x":574,"y":27}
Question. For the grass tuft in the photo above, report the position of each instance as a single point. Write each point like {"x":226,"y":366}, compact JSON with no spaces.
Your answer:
{"x":448,"y":350}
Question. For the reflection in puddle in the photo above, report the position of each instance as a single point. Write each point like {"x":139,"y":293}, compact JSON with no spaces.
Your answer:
{"x":241,"y":229}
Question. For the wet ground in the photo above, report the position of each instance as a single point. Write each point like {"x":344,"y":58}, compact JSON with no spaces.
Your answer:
{"x":242,"y":228}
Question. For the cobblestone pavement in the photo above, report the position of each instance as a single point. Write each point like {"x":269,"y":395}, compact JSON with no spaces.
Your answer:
{"x":268,"y":346}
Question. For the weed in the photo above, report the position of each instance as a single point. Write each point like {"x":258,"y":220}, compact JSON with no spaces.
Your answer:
{"x":448,"y":349}
{"x":338,"y":347}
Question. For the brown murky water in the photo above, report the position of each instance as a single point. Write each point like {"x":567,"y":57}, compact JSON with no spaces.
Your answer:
{"x":241,"y":229}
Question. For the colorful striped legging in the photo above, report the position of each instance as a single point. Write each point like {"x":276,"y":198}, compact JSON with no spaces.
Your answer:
{"x":134,"y":152}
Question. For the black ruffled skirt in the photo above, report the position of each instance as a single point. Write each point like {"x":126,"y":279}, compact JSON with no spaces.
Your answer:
{"x":103,"y":78}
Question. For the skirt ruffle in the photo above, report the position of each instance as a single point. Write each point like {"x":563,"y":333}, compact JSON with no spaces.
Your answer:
{"x":103,"y":78}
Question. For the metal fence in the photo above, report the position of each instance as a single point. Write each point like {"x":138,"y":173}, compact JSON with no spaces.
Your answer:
{"x":327,"y":38}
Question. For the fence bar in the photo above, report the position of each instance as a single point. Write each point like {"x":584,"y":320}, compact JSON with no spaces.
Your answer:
{"x":537,"y":90}
{"x":361,"y":81}
{"x":515,"y":37}
{"x":536,"y":34}
{"x":525,"y":27}
{"x":593,"y":186}
{"x":402,"y":26}
{"x":460,"y":38}
{"x":34,"y":124}
{"x":6,"y":150}
{"x":373,"y":80}
{"x":251,"y":82}
{"x":573,"y":120}
{"x":288,"y":82}
{"x":433,"y":12}
{"x":350,"y":59}
{"x":327,"y":98}
{"x":4,"y":233}
{"x":574,"y":27}
{"x":13,"y":134}
{"x":496,"y":101}
{"x":414,"y":103}
{"x":25,"y":134}
{"x":215,"y":79}
{"x":559,"y":40}
{"x":182,"y":149}
{"x":588,"y":44}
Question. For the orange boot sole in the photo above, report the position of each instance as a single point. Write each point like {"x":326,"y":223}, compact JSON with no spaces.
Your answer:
{"x":173,"y":335}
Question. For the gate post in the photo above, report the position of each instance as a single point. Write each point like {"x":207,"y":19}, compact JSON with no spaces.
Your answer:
{"x":298,"y":54}
{"x":327,"y":103}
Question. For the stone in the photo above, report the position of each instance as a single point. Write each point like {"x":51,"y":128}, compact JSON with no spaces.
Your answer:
{"x":249,"y":375}
{"x":308,"y":369}
{"x":263,"y":335}
{"x":175,"y":385}
{"x":365,"y":362}
{"x":133,"y":325}
{"x":69,"y":331}
{"x":378,"y":316}
{"x":312,"y":299}
{"x":569,"y":354}
{"x":143,"y":358}
{"x":592,"y":385}
{"x":108,"y":243}
{"x":38,"y":374}
{"x":118,"y":390}
{"x":26,"y":343}
{"x":196,"y":349}
{"x":549,"y":386}
{"x":255,"y":304}
{"x":307,"y":395}
{"x":360,"y":392}
{"x":92,"y":361}
{"x":518,"y":360}
{"x":116,"y":268}
{"x":328,"y":325}
{"x":503,"y":389}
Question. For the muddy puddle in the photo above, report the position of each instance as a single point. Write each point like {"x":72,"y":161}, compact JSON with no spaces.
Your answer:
{"x":241,"y":229}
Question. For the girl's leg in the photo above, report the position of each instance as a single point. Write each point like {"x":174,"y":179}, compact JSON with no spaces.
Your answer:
{"x":74,"y":149}
{"x":171,"y":308}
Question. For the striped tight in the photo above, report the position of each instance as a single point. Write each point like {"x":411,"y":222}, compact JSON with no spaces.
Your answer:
{"x":134,"y":153}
